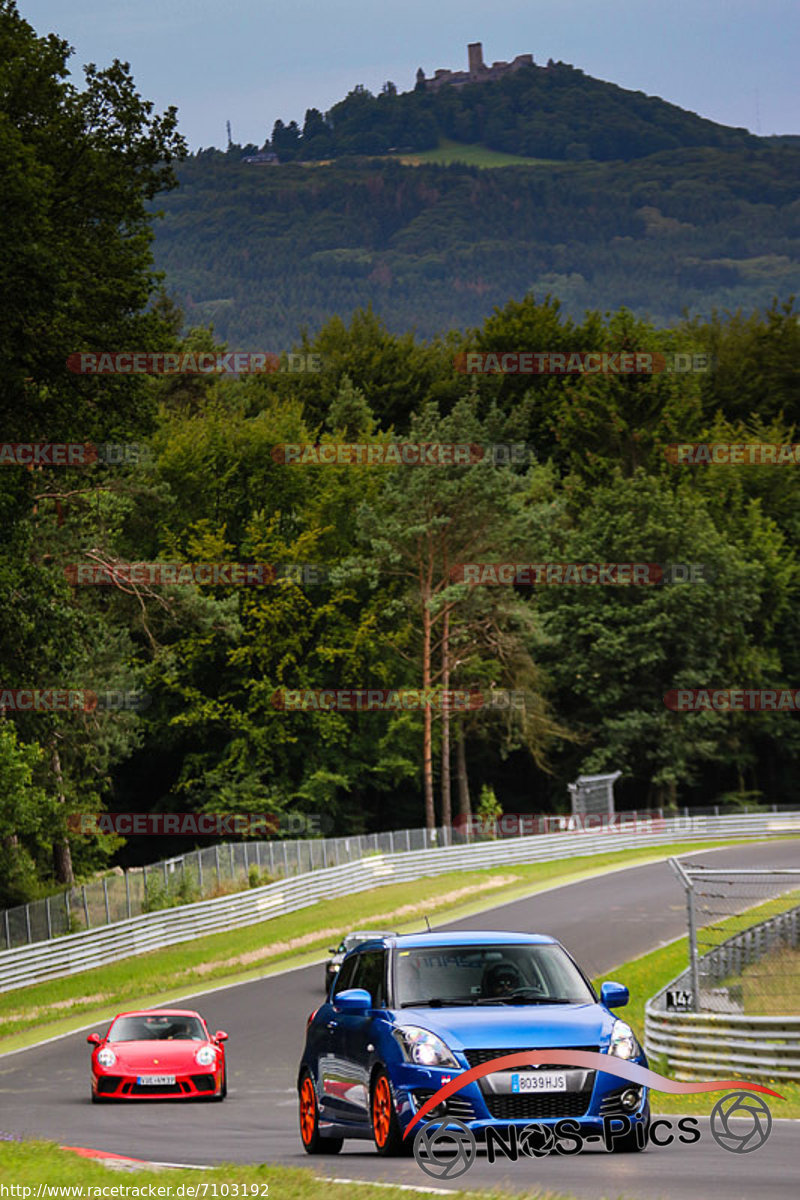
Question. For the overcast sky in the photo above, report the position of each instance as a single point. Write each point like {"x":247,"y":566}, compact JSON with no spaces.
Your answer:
{"x":250,"y":61}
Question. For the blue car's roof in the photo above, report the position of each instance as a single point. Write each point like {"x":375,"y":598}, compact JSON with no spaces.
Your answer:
{"x":472,"y":937}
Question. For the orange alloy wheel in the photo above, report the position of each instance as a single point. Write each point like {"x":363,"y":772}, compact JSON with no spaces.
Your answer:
{"x":381,"y":1110}
{"x":308,"y":1111}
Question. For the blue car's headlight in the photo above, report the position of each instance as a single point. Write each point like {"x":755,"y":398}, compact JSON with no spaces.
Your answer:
{"x":424,"y":1048}
{"x":623,"y":1041}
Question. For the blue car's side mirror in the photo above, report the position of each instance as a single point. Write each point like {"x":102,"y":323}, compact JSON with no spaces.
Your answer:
{"x":614,"y":995}
{"x":353,"y":1000}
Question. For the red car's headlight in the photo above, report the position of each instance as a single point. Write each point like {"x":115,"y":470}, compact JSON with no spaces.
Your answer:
{"x":106,"y":1057}
{"x":206,"y":1056}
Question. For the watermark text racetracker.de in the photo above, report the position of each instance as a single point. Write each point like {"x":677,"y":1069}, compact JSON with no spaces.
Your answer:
{"x":598,"y":574}
{"x":210,"y":574}
{"x":579,"y":362}
{"x":203,"y":824}
{"x":203,"y":362}
{"x":723,"y":700}
{"x":74,"y":454}
{"x":402,"y":699}
{"x":63,"y":699}
{"x":736,"y":454}
{"x":403,"y":454}
{"x":519,"y":824}
{"x":204,"y":1190}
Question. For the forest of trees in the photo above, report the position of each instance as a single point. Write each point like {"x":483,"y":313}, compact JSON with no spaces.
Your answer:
{"x":82,"y":171}
{"x":264,"y":251}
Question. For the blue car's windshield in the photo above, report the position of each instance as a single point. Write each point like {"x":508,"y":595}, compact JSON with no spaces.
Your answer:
{"x":527,"y":974}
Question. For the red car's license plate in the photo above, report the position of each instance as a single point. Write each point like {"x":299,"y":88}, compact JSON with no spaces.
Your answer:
{"x":155,"y":1080}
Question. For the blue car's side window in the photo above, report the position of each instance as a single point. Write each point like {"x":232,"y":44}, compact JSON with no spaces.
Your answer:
{"x":345,"y":977}
{"x":371,"y":974}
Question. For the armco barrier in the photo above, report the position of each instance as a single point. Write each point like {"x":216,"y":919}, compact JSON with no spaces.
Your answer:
{"x":699,"y":1044}
{"x":82,"y":951}
{"x":201,"y":874}
{"x":207,"y":872}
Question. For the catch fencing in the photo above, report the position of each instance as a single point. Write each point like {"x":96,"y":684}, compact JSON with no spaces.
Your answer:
{"x":95,"y":947}
{"x":232,"y":866}
{"x":726,"y":939}
{"x":735,"y":1006}
{"x":196,"y":875}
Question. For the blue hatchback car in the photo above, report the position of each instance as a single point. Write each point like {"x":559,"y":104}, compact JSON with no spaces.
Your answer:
{"x":407,"y":1014}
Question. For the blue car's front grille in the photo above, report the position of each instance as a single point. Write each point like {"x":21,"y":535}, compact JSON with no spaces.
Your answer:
{"x":533,"y":1106}
{"x":546,"y":1105}
{"x":476,"y":1058}
{"x":611,"y":1106}
{"x":454,"y":1106}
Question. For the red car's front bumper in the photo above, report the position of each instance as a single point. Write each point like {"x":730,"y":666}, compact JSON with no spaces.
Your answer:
{"x":109,"y":1086}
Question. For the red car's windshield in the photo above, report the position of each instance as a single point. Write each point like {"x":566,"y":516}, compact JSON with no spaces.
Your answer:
{"x":157,"y":1028}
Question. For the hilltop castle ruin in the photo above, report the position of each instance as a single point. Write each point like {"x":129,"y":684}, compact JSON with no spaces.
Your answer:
{"x":478,"y":72}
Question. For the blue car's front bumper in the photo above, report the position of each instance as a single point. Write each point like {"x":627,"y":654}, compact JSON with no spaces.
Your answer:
{"x":596,"y":1103}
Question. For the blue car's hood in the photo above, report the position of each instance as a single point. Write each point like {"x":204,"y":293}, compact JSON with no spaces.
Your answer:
{"x":514,"y":1026}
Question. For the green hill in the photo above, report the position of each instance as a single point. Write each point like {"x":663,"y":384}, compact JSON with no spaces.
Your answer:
{"x":263,"y":251}
{"x":552,"y":112}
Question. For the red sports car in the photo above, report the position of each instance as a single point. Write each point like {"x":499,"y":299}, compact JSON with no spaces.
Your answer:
{"x":158,"y":1052}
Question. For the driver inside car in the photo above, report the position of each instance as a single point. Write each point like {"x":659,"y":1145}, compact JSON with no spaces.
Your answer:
{"x":501,"y":979}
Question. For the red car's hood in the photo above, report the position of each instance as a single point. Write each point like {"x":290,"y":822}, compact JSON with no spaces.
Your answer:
{"x":169,"y":1056}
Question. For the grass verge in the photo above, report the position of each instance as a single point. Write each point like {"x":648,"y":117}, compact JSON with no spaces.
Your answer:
{"x":30,"y":1164}
{"x":769,"y":987}
{"x":473,"y":155}
{"x":57,"y":1006}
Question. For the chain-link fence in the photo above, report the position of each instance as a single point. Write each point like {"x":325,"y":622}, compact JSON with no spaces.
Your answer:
{"x":200,"y":875}
{"x":229,"y":867}
{"x":744,"y":942}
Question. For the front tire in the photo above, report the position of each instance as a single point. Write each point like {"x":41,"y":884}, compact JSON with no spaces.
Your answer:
{"x":313,"y":1142}
{"x":630,"y":1143}
{"x":386,"y":1132}
{"x":223,"y":1091}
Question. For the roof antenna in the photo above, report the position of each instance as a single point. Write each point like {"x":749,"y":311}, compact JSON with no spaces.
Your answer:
{"x":427,"y":922}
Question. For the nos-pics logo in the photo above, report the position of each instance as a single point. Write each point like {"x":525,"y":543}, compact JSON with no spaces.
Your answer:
{"x":446,"y":1148}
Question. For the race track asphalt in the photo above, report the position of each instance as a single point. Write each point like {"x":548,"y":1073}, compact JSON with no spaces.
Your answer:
{"x":44,"y":1090}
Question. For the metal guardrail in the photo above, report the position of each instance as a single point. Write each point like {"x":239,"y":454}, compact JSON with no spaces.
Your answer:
{"x":714,"y":1043}
{"x":197,"y":875}
{"x":710,"y":1044}
{"x":96,"y":947}
{"x":227,"y":867}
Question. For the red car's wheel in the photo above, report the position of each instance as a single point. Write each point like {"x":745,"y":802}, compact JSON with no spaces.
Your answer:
{"x":223,"y":1091}
{"x":385,"y":1126}
{"x":313,"y":1142}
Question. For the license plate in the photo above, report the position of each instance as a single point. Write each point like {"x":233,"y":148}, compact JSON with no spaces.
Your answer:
{"x":155,"y":1080}
{"x":539,"y":1081}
